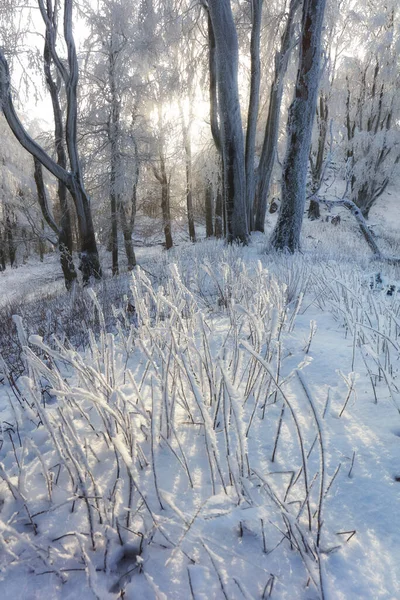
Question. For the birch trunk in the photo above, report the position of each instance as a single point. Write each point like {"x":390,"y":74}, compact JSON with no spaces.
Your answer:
{"x":286,"y":235}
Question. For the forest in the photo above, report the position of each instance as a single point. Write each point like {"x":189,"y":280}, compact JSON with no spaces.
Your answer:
{"x":199,"y":299}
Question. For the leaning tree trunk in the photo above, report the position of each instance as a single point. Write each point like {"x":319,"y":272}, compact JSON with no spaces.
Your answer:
{"x":286,"y":235}
{"x":254,"y":100}
{"x":227,"y":57}
{"x":72,"y":179}
{"x":268,"y":152}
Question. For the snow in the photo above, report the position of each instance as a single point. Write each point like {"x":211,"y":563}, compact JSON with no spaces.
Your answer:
{"x":143,"y":462}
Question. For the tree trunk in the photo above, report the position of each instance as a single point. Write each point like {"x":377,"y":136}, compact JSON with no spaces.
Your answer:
{"x":252,"y":115}
{"x":127,"y":233}
{"x":9,"y":236}
{"x":162,"y":178}
{"x":72,"y":179}
{"x":64,"y":234}
{"x":219,"y":212}
{"x":166,"y":213}
{"x":268,"y":152}
{"x":209,"y":209}
{"x":317,"y":167}
{"x":2,"y":250}
{"x":226,"y":56}
{"x":114,"y":222}
{"x":114,"y":134}
{"x":189,"y":179}
{"x":286,"y":235}
{"x":215,"y":128}
{"x":128,"y":221}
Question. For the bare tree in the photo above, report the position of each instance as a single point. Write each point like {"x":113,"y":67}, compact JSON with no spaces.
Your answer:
{"x":286,"y":235}
{"x":64,"y":230}
{"x":72,"y":178}
{"x":226,"y":61}
{"x":268,"y":152}
{"x":371,"y":124}
{"x":254,"y":101}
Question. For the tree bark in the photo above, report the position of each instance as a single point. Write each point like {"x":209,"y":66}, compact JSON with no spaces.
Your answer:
{"x":189,"y":177}
{"x":252,"y":115}
{"x":286,"y":235}
{"x":64,"y":233}
{"x":114,"y":134}
{"x":163,"y":179}
{"x":226,"y":56}
{"x":220,"y":225}
{"x":72,"y":179}
{"x":268,"y":152}
{"x":317,"y":167}
{"x":128,"y":220}
{"x":209,"y":209}
{"x":63,"y":237}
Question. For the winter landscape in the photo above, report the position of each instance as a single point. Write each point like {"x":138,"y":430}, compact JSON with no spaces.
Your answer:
{"x":199,"y":300}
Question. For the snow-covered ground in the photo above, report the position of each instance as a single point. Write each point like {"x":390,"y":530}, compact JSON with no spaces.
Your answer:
{"x":242,"y":442}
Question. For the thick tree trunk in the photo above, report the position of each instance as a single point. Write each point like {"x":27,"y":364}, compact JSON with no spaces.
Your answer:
{"x":252,"y":115}
{"x":286,"y":235}
{"x":226,"y":56}
{"x":268,"y":152}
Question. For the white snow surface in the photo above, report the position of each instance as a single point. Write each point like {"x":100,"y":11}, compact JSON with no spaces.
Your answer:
{"x":143,"y":466}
